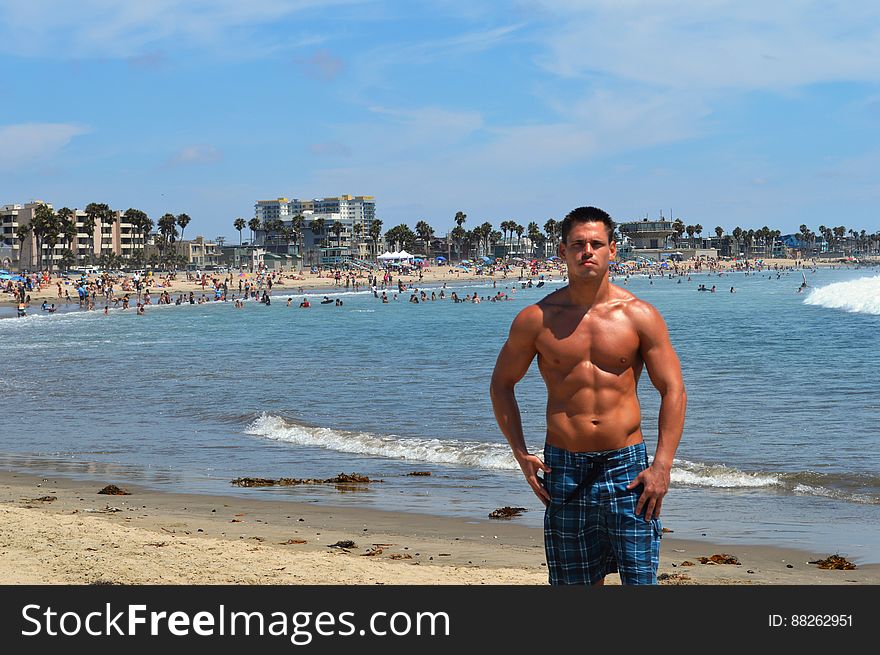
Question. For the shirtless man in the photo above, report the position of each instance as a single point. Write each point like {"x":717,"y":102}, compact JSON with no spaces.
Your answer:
{"x":592,"y":339}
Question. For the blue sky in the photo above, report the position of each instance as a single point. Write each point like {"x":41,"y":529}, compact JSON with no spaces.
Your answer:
{"x":724,"y":113}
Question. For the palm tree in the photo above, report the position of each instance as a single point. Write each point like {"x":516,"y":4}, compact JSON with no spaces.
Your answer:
{"x":551,"y":228}
{"x":690,"y":229}
{"x":254,"y":225}
{"x":460,"y":218}
{"x":679,"y":228}
{"x":145,"y":224}
{"x":699,"y":230}
{"x":42,"y":226}
{"x":494,"y":237}
{"x":534,"y":234}
{"x":287,"y":235}
{"x":100,"y":212}
{"x":519,"y":229}
{"x":425,"y":233}
{"x":182,"y":221}
{"x":316,"y":227}
{"x":505,"y":228}
{"x":296,"y":223}
{"x":93,"y":214}
{"x":52,"y":232}
{"x":458,"y":234}
{"x":839,"y":233}
{"x":168,"y":231}
{"x":375,"y":233}
{"x":23,"y":232}
{"x":68,"y":259}
{"x":337,"y":229}
{"x":357,"y":233}
{"x":403,"y":236}
{"x":239,"y":224}
{"x":135,"y":217}
{"x":485,"y":232}
{"x":67,"y":219}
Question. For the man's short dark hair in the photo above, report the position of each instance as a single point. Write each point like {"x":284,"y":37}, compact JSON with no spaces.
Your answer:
{"x":586,"y":215}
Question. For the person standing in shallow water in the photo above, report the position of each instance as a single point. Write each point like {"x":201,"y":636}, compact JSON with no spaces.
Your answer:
{"x":592,"y":338}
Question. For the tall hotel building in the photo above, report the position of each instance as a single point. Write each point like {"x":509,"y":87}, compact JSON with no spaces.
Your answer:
{"x":355,"y":213}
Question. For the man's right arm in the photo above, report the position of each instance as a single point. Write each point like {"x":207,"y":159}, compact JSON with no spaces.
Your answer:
{"x":513,"y":362}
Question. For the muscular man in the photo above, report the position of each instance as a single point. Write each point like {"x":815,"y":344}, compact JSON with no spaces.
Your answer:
{"x":592,"y":339}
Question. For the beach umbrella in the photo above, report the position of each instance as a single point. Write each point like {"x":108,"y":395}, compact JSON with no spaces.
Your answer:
{"x":5,"y":276}
{"x":440,"y":258}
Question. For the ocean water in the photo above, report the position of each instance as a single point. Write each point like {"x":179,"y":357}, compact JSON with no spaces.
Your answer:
{"x":781,"y":442}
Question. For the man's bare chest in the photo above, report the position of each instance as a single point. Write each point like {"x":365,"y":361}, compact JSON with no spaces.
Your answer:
{"x":611,"y":345}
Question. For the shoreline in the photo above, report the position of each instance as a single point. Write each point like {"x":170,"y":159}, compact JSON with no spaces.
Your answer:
{"x":310,"y":282}
{"x":160,"y":537}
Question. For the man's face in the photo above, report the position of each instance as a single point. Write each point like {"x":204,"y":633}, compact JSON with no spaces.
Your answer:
{"x":588,"y":250}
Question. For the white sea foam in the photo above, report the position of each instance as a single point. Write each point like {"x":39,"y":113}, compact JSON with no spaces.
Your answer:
{"x":860,"y":296}
{"x":719,"y":476}
{"x":456,"y":452}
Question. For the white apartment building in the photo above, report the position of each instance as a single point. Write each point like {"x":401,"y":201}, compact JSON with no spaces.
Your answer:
{"x":355,"y":213}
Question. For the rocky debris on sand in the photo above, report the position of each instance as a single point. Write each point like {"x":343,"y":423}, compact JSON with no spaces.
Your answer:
{"x":291,"y":542}
{"x":113,"y":490}
{"x":42,"y":499}
{"x":345,"y":478}
{"x":687,"y":563}
{"x":400,"y":556}
{"x":834,"y":562}
{"x":720,"y":559}
{"x":344,"y":544}
{"x":372,"y":552}
{"x":507,"y":512}
{"x":342,"y":478}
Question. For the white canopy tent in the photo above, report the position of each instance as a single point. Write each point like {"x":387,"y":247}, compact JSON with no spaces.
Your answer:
{"x":395,"y":256}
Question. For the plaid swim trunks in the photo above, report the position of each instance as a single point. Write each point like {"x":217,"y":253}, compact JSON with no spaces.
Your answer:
{"x":591,"y":527}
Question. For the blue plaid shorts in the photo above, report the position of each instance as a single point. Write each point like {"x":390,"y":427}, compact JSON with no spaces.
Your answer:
{"x":590,"y":526}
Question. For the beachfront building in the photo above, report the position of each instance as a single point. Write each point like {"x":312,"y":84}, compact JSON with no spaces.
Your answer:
{"x":200,"y":253}
{"x":113,"y":239}
{"x":9,"y":244}
{"x":320,"y":242}
{"x":649,"y":239}
{"x":648,"y":235}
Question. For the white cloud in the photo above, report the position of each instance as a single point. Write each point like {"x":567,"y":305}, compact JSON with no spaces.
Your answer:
{"x":98,"y":28}
{"x":25,"y":144}
{"x":196,"y":154}
{"x":713,"y":44}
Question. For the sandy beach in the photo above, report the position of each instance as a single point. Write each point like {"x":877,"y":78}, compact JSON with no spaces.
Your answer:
{"x":291,"y":284}
{"x":287,"y":283}
{"x":59,"y":531}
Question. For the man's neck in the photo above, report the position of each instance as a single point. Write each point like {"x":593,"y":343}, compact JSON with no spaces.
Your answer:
{"x":587,"y":293}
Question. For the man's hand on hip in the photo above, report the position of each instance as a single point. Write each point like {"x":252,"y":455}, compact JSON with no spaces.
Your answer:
{"x":656,"y":484}
{"x":530,"y":465}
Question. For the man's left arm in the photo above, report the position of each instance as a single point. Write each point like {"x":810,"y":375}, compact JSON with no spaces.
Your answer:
{"x":664,"y":369}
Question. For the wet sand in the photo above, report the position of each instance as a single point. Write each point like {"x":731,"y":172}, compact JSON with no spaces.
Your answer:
{"x":149,"y":537}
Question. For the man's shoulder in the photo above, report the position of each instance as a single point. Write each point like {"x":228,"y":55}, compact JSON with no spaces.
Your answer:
{"x":641,"y":313}
{"x":554,"y":300}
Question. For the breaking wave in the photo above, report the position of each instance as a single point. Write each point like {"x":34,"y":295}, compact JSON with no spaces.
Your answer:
{"x":860,"y":296}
